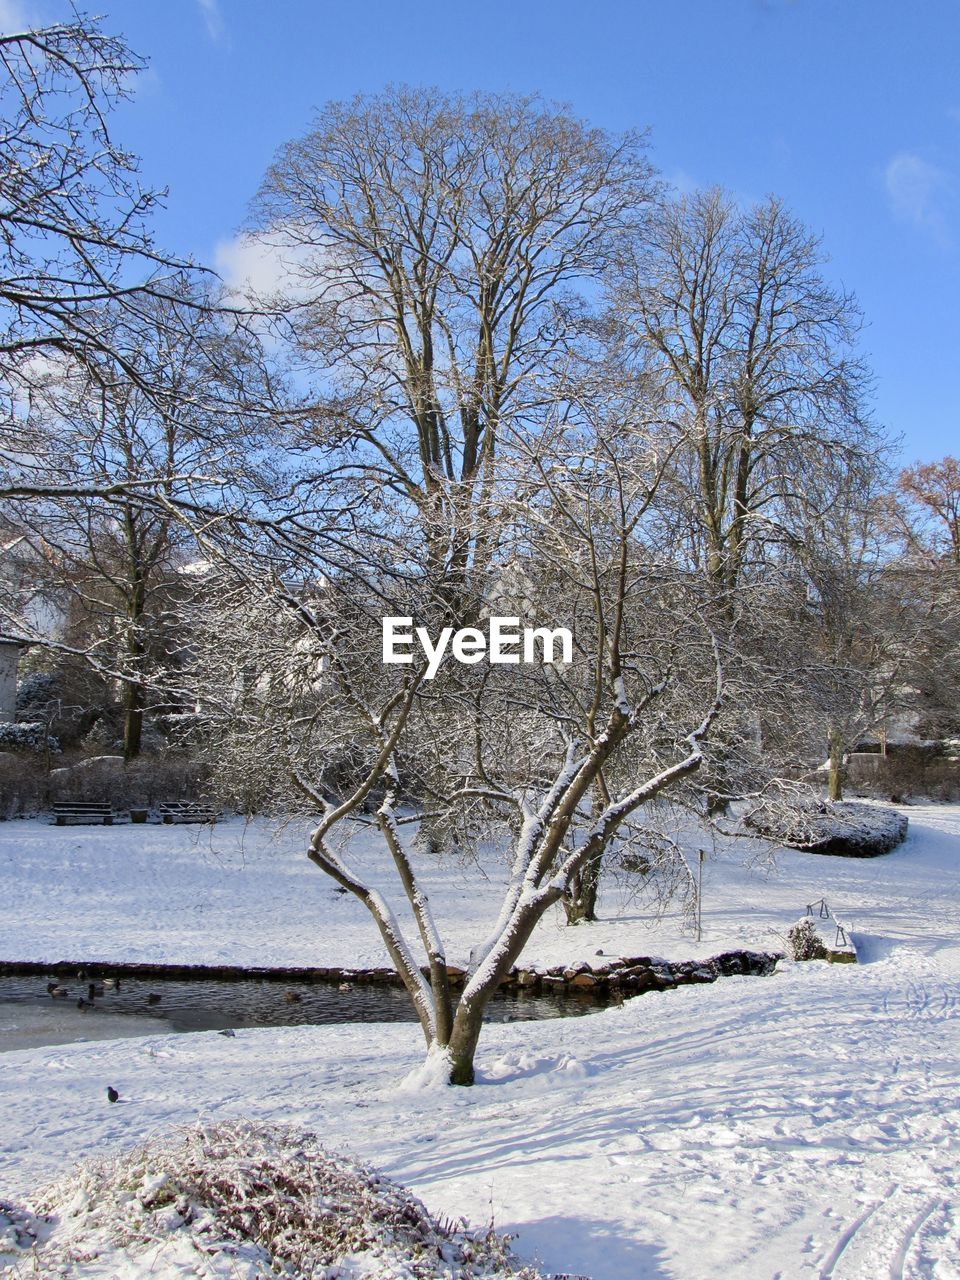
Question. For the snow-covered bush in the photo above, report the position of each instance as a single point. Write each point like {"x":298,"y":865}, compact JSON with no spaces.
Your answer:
{"x":31,"y":736}
{"x":250,"y":1201}
{"x":804,"y":942}
{"x":36,"y":691}
{"x":843,"y":829}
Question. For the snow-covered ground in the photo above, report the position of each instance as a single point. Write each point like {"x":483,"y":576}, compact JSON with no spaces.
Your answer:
{"x":806,"y":1124}
{"x":245,"y":894}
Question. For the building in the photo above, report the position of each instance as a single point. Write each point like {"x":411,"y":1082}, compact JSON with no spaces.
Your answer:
{"x":9,"y":657}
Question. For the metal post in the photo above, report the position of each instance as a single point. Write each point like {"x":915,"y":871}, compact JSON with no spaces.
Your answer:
{"x":700,"y":894}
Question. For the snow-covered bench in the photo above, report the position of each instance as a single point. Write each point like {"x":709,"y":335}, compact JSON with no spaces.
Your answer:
{"x":185,"y":811}
{"x":93,"y":811}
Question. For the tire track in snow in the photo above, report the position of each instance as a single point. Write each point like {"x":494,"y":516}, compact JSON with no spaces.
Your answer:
{"x":914,"y":1227}
{"x":877,"y":1242}
{"x":847,"y":1236}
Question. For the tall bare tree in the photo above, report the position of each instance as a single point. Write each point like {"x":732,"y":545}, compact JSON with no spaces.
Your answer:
{"x":755,"y":355}
{"x":930,"y":492}
{"x":442,"y":253}
{"x":925,"y":510}
{"x":854,"y":618}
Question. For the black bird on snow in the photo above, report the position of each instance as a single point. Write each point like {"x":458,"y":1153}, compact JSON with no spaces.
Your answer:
{"x":153,"y":998}
{"x":112,"y":1095}
{"x":84,"y":1004}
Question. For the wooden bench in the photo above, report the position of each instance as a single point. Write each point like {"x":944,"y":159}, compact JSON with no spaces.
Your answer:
{"x":92,"y":811}
{"x":184,"y":811}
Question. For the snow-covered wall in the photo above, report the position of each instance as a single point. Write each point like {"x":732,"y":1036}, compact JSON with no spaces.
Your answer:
{"x":9,"y":654}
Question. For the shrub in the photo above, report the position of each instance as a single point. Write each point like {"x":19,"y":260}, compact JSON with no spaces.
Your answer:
{"x":803,"y":941}
{"x":841,"y":828}
{"x":36,"y":691}
{"x":23,"y":785}
{"x":248,"y":1199}
{"x":145,"y":782}
{"x":923,"y":774}
{"x":31,"y":736}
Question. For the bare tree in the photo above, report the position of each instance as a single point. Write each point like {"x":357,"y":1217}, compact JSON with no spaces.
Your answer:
{"x":925,"y":520}
{"x":511,"y":749}
{"x":440,"y":251}
{"x":930,"y":514}
{"x":114,"y":480}
{"x":754,"y":353}
{"x":74,"y":218}
{"x":856,"y":621}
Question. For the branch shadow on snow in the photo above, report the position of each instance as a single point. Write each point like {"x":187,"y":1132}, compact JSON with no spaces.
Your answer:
{"x":588,"y":1247}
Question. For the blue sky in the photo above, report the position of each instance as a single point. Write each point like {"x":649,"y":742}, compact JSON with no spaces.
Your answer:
{"x":848,"y":109}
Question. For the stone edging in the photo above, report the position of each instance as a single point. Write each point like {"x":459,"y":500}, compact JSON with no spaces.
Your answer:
{"x":631,"y":975}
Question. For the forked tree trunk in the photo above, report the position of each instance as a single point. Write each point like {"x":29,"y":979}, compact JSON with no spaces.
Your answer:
{"x":468,"y":1018}
{"x":580,"y":900}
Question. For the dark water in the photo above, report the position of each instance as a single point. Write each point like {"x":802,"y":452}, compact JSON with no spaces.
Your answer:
{"x":30,"y":1016}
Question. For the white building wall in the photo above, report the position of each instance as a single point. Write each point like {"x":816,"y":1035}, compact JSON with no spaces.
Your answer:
{"x":9,"y":653}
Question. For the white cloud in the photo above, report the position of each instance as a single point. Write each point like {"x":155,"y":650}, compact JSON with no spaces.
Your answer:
{"x":919,"y":193}
{"x":681,"y":182}
{"x":213,"y":20}
{"x":253,"y":267}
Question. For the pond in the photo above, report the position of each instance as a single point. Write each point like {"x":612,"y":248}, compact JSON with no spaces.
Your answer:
{"x":30,"y":1016}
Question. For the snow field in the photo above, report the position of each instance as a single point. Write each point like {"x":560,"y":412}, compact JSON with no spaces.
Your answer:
{"x":801,"y":1125}
{"x":246,"y":895}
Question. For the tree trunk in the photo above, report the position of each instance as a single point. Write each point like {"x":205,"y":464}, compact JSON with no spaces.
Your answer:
{"x":580,"y":900}
{"x":462,"y":1046}
{"x":133,"y":689}
{"x":835,"y":778}
{"x":132,"y":720}
{"x":468,"y":1019}
{"x":580,"y":903}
